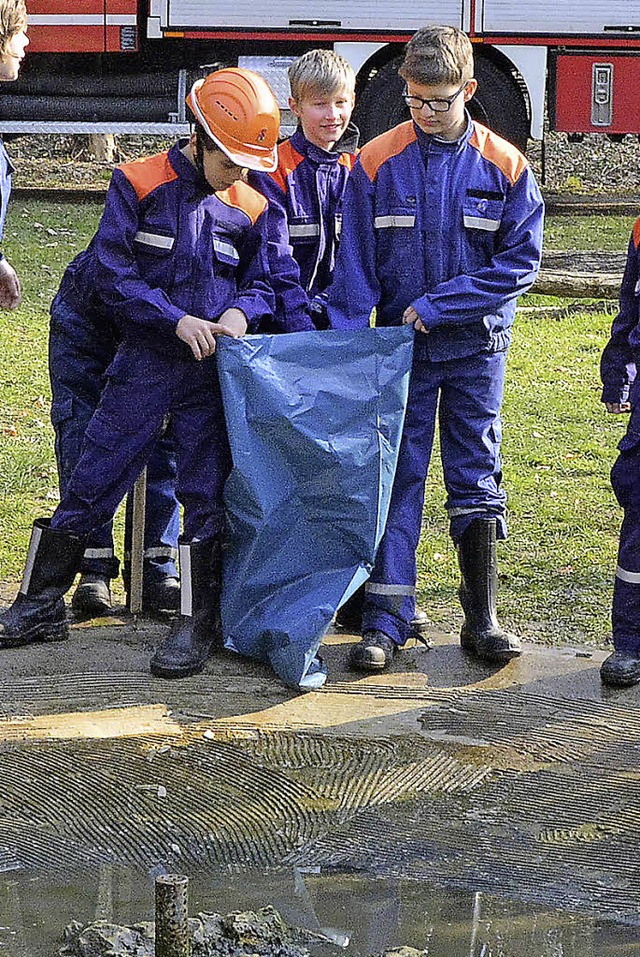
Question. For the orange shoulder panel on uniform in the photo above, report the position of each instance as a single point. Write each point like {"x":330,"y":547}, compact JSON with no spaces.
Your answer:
{"x":498,"y":151}
{"x":242,"y":196}
{"x":288,"y":159}
{"x":636,"y":233}
{"x":147,"y":174}
{"x":383,"y":147}
{"x":348,"y":159}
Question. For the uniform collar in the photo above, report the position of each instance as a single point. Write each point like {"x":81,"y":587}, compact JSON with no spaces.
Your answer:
{"x":347,"y":143}
{"x":430,"y":142}
{"x":184,"y":167}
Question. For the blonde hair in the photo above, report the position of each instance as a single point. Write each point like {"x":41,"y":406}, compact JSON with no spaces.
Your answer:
{"x":320,"y":72}
{"x":438,"y":54}
{"x":13,"y":19}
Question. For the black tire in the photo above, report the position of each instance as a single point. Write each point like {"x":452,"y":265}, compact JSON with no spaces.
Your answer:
{"x":499,"y":103}
{"x":87,"y":109}
{"x":380,"y":106}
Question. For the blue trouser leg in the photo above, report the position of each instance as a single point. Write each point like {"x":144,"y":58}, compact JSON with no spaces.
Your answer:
{"x":142,"y":387}
{"x":80,"y":351}
{"x":470,"y":435}
{"x":469,"y":393}
{"x":625,"y":479}
{"x":162,"y":514}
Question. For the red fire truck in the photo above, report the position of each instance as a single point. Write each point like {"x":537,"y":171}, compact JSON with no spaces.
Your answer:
{"x":125,"y":65}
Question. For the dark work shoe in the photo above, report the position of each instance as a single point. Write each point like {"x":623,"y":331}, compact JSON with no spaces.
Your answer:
{"x":373,"y":653}
{"x":161,"y":596}
{"x":92,"y":597}
{"x":420,"y":621}
{"x":620,"y":670}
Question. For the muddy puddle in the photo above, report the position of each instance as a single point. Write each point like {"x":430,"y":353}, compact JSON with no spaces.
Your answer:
{"x":355,"y":914}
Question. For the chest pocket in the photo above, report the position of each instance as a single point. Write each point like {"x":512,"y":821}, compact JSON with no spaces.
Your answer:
{"x":396,"y":250}
{"x":303,"y":231}
{"x":483,"y":215}
{"x":155,"y":244}
{"x":225,"y":253}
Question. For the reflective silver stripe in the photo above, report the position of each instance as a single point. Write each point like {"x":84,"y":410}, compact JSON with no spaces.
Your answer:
{"x":153,"y":239}
{"x":310,"y":229}
{"x":383,"y":222}
{"x":454,"y":512}
{"x":374,"y":588}
{"x":637,"y":289}
{"x":36,"y":535}
{"x":98,"y":553}
{"x":632,"y":577}
{"x":186,"y":595}
{"x":479,"y":222}
{"x":161,"y":551}
{"x":226,"y":249}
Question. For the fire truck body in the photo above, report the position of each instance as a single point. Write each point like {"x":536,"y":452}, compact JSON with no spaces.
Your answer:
{"x":125,"y":64}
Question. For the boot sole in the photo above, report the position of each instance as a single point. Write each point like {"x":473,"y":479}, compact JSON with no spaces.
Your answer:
{"x":35,"y":636}
{"x":160,"y":671}
{"x":498,"y":658}
{"x":619,"y":682}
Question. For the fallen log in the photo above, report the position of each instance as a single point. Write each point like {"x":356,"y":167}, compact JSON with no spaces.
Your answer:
{"x":581,"y":275}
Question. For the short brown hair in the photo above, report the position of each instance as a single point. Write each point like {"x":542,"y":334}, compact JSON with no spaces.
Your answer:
{"x":320,"y":72}
{"x":13,"y":19}
{"x":438,"y":54}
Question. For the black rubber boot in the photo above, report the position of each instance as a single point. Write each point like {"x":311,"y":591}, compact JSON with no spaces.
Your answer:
{"x":38,"y":613}
{"x":373,"y":653}
{"x":349,"y":615}
{"x":620,"y":670}
{"x":481,"y":634}
{"x":197,"y":631}
{"x":92,"y":597}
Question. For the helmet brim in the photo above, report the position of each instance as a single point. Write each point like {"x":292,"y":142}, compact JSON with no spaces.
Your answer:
{"x":266,"y":163}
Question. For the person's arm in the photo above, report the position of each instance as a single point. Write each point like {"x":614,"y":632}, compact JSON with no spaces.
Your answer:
{"x":119,"y":283}
{"x":254,"y":298}
{"x":10,"y":291}
{"x":467,"y":298}
{"x":292,"y":304}
{"x":617,"y":365}
{"x":355,"y":290}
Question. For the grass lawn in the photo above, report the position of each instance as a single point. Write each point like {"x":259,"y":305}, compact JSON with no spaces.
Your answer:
{"x":559,"y":444}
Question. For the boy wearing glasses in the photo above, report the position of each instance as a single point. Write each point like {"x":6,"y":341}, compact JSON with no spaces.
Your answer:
{"x":442,"y":228}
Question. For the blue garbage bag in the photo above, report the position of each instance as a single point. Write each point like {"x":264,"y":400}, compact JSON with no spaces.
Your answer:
{"x":314,"y":422}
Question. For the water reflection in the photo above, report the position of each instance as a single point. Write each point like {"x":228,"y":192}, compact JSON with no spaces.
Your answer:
{"x":355,"y":914}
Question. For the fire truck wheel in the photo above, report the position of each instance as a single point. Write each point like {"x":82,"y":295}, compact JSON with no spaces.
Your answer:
{"x":380,"y":106}
{"x":499,"y":103}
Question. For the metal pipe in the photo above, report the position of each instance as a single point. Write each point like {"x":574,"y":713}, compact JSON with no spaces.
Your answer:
{"x":172,"y":916}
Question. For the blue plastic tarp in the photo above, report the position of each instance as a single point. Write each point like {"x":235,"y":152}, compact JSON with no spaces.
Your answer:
{"x":314,"y":422}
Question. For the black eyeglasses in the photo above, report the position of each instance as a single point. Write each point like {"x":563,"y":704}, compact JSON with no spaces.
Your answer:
{"x":436,"y":106}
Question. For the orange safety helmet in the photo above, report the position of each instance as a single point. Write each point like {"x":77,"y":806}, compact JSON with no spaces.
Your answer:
{"x":239,"y":112}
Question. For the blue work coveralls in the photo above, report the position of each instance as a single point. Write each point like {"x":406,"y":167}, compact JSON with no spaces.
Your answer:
{"x":306,"y":193}
{"x":82,"y":345}
{"x":620,"y":384}
{"x":165,"y":247}
{"x":453,"y":229}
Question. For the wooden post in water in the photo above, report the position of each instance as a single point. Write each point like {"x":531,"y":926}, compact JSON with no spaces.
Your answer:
{"x":172,"y":915}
